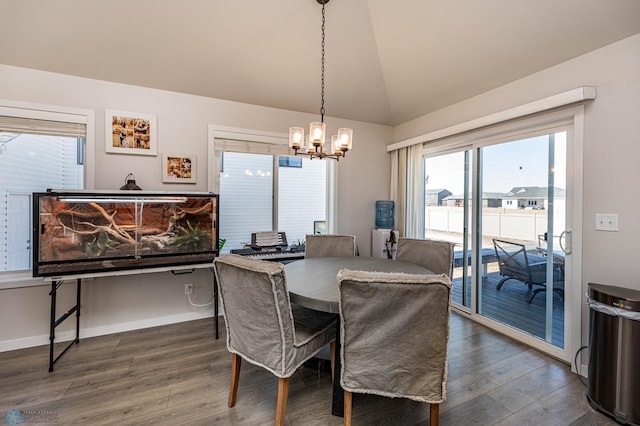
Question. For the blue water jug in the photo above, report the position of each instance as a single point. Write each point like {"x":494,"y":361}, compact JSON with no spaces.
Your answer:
{"x":384,"y":214}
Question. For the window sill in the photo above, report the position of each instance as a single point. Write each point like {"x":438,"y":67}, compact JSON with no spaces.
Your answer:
{"x":9,"y":280}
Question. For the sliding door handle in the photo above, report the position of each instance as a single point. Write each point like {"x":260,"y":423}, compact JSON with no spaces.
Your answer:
{"x":566,"y":236}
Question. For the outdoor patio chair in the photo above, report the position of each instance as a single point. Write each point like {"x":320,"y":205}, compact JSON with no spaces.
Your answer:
{"x":516,"y":263}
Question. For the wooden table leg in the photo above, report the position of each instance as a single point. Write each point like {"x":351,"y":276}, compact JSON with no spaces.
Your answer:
{"x":337,"y":401}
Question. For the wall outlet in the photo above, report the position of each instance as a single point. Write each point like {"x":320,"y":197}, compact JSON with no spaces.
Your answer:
{"x":606,"y":222}
{"x":188,"y":288}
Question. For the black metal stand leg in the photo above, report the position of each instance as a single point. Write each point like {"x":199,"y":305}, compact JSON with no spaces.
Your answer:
{"x":337,"y":401}
{"x":78,"y":285}
{"x":52,"y":323}
{"x":215,"y":303}
{"x":56,"y":322}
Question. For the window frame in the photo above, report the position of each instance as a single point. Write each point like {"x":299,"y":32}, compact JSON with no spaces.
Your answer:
{"x":19,"y":279}
{"x":571,"y":120}
{"x":263,"y":142}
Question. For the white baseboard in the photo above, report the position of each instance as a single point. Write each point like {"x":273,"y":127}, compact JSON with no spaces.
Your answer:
{"x":584,"y":371}
{"x":67,"y":336}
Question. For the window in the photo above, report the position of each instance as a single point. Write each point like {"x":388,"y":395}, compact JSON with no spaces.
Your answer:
{"x":246,"y":197}
{"x":262,"y":188}
{"x":290,"y":161}
{"x":35,"y":155}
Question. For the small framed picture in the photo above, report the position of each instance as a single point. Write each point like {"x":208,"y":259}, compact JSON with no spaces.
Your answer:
{"x":319,"y":227}
{"x":130,"y":133}
{"x":178,"y":168}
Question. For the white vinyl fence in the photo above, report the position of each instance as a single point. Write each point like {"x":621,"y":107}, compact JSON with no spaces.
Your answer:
{"x":510,"y":224}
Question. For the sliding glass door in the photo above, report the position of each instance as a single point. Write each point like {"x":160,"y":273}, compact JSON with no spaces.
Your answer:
{"x":448,"y":213}
{"x":504,"y":205}
{"x":520,"y":224}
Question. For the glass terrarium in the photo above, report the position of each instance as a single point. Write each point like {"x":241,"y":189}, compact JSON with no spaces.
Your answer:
{"x":85,"y":232}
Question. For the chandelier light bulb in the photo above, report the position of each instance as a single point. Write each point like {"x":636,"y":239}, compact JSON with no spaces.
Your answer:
{"x":316,"y":133}
{"x":309,"y":146}
{"x":345,"y":136}
{"x":335,"y":145}
{"x":296,"y":137}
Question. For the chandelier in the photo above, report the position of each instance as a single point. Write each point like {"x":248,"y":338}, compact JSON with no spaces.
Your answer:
{"x":313,"y":145}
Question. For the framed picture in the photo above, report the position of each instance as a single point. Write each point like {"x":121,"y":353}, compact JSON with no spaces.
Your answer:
{"x":130,"y":133}
{"x":319,"y":227}
{"x":178,"y":168}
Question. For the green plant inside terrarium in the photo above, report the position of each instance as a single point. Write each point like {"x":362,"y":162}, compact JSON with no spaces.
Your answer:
{"x":191,"y":237}
{"x":100,"y":244}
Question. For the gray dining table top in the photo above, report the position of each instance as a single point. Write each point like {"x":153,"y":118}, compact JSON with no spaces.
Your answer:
{"x":313,"y":282}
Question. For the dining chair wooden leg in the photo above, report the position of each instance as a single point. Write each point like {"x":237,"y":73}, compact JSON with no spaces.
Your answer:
{"x":236,"y":361}
{"x":332,"y":349}
{"x":348,"y":400}
{"x":434,"y":416}
{"x":283,"y":393}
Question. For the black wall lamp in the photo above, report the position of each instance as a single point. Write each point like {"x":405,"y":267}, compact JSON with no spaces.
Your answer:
{"x":130,"y":183}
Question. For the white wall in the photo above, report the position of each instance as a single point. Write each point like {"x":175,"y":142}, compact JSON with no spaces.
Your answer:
{"x":113,"y":304}
{"x":611,"y":149}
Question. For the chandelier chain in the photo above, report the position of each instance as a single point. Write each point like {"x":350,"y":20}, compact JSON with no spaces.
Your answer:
{"x":312,"y":146}
{"x":322,"y":71}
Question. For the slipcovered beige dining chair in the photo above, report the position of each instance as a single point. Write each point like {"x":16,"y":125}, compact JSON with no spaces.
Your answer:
{"x":330,"y":245}
{"x":435,"y":255}
{"x":403,"y":353}
{"x":263,"y":327}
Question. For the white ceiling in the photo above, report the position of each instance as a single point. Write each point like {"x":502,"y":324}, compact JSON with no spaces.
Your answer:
{"x":386,"y":61}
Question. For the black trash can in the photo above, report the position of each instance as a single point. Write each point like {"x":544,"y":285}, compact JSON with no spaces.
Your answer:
{"x":613,"y":386}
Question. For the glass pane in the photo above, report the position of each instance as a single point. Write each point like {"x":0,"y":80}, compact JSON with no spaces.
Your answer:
{"x":84,"y":232}
{"x":523,"y":286}
{"x":447,"y":191}
{"x":302,"y":197}
{"x":246,"y":197}
{"x":31,"y":163}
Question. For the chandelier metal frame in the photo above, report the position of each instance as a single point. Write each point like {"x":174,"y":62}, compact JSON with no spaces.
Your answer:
{"x":313,"y":148}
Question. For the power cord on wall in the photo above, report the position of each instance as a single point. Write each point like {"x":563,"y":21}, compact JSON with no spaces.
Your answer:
{"x":197,"y":305}
{"x":575,"y":361}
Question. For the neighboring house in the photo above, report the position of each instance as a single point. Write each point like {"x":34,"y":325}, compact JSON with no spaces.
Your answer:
{"x":529,"y":197}
{"x":489,"y":199}
{"x":435,"y":197}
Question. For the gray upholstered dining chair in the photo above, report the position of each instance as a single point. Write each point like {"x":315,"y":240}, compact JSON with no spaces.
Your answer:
{"x":435,"y":255}
{"x":330,"y":245}
{"x":263,"y":327}
{"x":402,"y":353}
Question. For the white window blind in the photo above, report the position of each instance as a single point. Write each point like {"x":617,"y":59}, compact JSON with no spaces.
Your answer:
{"x":35,"y":155}
{"x":41,"y":127}
{"x":251,"y":147}
{"x":257,"y":194}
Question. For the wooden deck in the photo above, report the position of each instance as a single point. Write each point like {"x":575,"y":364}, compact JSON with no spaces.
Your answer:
{"x":509,"y":306}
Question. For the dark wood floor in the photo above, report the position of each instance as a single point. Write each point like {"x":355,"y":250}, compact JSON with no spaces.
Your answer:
{"x":179,"y":375}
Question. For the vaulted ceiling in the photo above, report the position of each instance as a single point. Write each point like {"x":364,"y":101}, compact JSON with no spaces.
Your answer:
{"x":387,"y":61}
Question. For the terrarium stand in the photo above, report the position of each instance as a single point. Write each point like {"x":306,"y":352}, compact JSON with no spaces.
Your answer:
{"x":55,"y":284}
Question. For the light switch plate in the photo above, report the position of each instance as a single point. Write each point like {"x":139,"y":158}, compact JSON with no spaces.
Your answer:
{"x":606,"y":222}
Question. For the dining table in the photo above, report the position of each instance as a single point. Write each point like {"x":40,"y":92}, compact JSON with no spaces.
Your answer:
{"x":313,"y":284}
